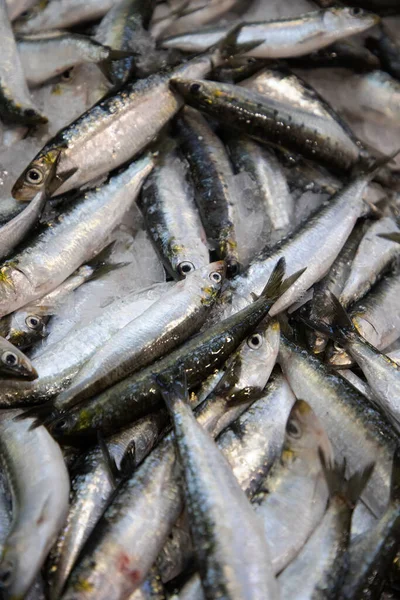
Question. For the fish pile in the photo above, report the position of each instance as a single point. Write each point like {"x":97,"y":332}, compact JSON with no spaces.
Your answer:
{"x":199,"y":300}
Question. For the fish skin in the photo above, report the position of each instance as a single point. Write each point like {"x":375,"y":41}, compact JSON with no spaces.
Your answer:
{"x":78,"y":237}
{"x":39,"y":481}
{"x":272,"y":189}
{"x":159,"y":478}
{"x":296,"y":492}
{"x":212,"y":175}
{"x":284,"y":38}
{"x":46,"y":55}
{"x":106,"y":412}
{"x":268,"y":121}
{"x":175,"y":227}
{"x":92,"y":487}
{"x":16,"y":7}
{"x":140,"y":109}
{"x":167,"y":323}
{"x":14,"y":363}
{"x":201,"y":14}
{"x":357,"y":431}
{"x":373,"y":255}
{"x":388,"y":50}
{"x":16,"y":104}
{"x":232,"y":554}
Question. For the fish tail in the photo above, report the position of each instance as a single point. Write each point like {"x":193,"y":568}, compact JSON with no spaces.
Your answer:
{"x":173,"y":389}
{"x":335,"y":323}
{"x":349,"y":490}
{"x":370,"y":169}
{"x":100,"y":265}
{"x":393,"y":237}
{"x":40,"y":414}
{"x":229,"y":45}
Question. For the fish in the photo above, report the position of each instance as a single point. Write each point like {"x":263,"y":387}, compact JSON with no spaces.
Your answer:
{"x":87,"y":145}
{"x":61,"y":14}
{"x":319,"y":567}
{"x":14,"y":363}
{"x":296,"y":494}
{"x":233,"y":556}
{"x":82,"y":232}
{"x":382,"y":373}
{"x":167,"y":323}
{"x":16,"y":7}
{"x":137,"y":395}
{"x":371,"y":554}
{"x":159,"y":476}
{"x":272,"y":189}
{"x":373,"y":256}
{"x":358,"y":432}
{"x":16,"y":104}
{"x":46,"y":55}
{"x":388,"y":50}
{"x":212,"y":175}
{"x":344,"y":54}
{"x":175,"y":227}
{"x":39,"y":483}
{"x":93,"y":483}
{"x":284,"y":38}
{"x":333,"y":282}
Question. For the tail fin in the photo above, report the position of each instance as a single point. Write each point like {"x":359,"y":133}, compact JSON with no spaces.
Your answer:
{"x":40,"y":414}
{"x":393,"y":237}
{"x":348,"y":490}
{"x":229,"y":46}
{"x":276,"y":285}
{"x":362,"y":168}
{"x":336,"y":323}
{"x":173,"y":390}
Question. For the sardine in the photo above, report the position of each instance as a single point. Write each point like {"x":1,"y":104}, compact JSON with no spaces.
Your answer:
{"x":373,"y":255}
{"x":232,"y":554}
{"x":171,"y":217}
{"x":39,"y":481}
{"x":79,"y":235}
{"x":284,"y":38}
{"x":92,"y":145}
{"x":212,"y":174}
{"x":14,"y":363}
{"x":167,"y":323}
{"x":318,"y":569}
{"x":15,"y":101}
{"x":199,"y":14}
{"x":357,"y":431}
{"x":296,"y":494}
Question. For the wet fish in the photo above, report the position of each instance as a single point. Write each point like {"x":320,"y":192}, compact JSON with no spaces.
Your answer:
{"x":388,"y":50}
{"x":14,"y":364}
{"x":138,"y":395}
{"x":170,"y":321}
{"x":319,"y":568}
{"x":80,"y":234}
{"x":39,"y":482}
{"x":233,"y":564}
{"x":272,"y":189}
{"x":197,"y":14}
{"x":357,"y":431}
{"x":15,"y":102}
{"x":284,"y":38}
{"x":167,"y":204}
{"x":345,"y":54}
{"x":93,"y":484}
{"x":296,"y":494}
{"x":46,"y":55}
{"x":373,"y":255}
{"x":212,"y":176}
{"x":16,"y":7}
{"x":88,"y":145}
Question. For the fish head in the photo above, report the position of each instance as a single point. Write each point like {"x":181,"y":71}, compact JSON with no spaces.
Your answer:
{"x":211,"y":277}
{"x":351,"y":19}
{"x":40,"y":175}
{"x":26,"y":328}
{"x":305,"y":433}
{"x":14,"y":363}
{"x":337,"y":357}
{"x":195,"y":91}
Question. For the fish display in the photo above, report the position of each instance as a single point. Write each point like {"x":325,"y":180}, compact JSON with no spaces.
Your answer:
{"x":199,"y":300}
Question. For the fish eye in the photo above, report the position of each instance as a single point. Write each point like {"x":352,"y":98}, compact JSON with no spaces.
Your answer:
{"x":185,"y":267}
{"x":59,"y":425}
{"x":254,"y":341}
{"x":195,"y":88}
{"x":9,"y":358}
{"x":6,"y":572}
{"x":34,"y":176}
{"x":216,"y":277}
{"x":33,"y":322}
{"x":293,"y":429}
{"x":67,"y":75}
{"x":232,"y":268}
{"x":355,"y":12}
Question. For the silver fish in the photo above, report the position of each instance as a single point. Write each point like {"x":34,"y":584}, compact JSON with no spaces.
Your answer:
{"x":280,"y":39}
{"x":13,"y":363}
{"x":15,"y":101}
{"x":198,"y":13}
{"x":296,"y":492}
{"x":234,"y":564}
{"x":40,"y":487}
{"x":79,"y":236}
